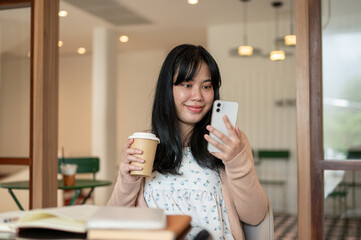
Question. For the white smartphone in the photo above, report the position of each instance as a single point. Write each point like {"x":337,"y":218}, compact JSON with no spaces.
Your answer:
{"x":221,"y":108}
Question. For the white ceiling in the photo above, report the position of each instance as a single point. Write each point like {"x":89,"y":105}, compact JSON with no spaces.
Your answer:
{"x":168,"y":22}
{"x":171,"y":22}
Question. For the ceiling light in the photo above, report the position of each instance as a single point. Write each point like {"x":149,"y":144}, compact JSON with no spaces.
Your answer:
{"x":245,"y":50}
{"x":277,"y":55}
{"x":60,"y":43}
{"x":192,"y":2}
{"x":63,"y":13}
{"x":124,"y":39}
{"x":290,"y":40}
{"x":81,"y":50}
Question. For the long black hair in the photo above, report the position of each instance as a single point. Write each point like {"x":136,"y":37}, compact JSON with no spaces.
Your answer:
{"x":184,"y":60}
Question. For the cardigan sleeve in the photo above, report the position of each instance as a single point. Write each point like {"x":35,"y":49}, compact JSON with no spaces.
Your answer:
{"x":125,"y":193}
{"x":249,"y":199}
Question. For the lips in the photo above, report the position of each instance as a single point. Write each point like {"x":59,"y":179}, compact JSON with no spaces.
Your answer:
{"x":195,"y":108}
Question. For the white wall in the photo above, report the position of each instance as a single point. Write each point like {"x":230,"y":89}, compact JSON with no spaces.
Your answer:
{"x":256,"y":84}
{"x":137,"y":73}
{"x":75,"y":105}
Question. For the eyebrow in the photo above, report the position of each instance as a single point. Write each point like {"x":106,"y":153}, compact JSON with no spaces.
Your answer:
{"x":207,"y":80}
{"x":204,"y":81}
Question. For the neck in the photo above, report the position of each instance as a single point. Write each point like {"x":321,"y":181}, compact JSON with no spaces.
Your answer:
{"x":186,"y":130}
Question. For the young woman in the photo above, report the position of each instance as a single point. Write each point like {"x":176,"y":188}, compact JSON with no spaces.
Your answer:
{"x":220,"y":191}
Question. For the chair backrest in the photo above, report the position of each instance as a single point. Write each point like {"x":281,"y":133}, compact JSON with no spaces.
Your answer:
{"x":354,"y":154}
{"x":274,"y":154}
{"x":85,"y":164}
{"x":263,"y":231}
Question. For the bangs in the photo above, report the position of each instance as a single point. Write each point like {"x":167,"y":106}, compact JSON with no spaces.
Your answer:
{"x":188,"y":68}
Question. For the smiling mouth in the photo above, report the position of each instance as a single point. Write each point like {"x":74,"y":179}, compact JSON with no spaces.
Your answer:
{"x":195,"y":108}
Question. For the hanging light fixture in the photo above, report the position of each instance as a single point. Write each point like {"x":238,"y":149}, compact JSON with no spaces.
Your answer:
{"x":290,"y":40}
{"x":277,"y":55}
{"x":245,"y":50}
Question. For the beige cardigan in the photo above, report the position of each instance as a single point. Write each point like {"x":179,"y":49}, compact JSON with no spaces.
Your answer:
{"x":243,"y":195}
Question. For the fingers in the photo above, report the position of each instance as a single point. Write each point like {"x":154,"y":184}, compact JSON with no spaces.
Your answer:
{"x":230,"y":145}
{"x":239,"y":134}
{"x":131,"y":160}
{"x":229,"y":126}
{"x":128,"y":143}
{"x":215,"y":143}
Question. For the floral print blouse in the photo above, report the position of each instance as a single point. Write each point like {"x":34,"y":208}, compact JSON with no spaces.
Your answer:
{"x":196,"y":192}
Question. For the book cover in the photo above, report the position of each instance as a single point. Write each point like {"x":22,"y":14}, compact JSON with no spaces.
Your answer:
{"x":177,"y":227}
{"x":128,"y":218}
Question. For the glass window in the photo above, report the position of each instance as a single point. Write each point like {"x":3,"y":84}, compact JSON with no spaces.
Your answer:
{"x":14,"y":82}
{"x":341,"y":37}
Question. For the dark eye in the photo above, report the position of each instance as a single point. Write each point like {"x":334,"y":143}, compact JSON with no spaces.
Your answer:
{"x":207,"y":87}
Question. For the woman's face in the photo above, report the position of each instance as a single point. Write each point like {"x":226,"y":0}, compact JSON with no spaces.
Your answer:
{"x":193,"y":99}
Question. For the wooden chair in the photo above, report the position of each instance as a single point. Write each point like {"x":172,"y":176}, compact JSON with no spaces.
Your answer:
{"x":282,"y":177}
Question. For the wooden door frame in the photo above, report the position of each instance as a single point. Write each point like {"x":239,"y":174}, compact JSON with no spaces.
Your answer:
{"x":310,"y":157}
{"x":44,"y":167}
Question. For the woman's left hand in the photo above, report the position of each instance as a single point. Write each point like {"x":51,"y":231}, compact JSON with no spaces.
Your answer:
{"x":231,"y":146}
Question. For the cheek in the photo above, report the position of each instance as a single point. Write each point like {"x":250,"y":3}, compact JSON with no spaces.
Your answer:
{"x":210,"y":98}
{"x":178,"y":96}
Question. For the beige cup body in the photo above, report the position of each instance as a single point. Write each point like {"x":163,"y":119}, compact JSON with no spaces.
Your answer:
{"x":149,"y":148}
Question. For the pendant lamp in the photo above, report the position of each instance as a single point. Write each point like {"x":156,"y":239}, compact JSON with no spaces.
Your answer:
{"x":245,"y":49}
{"x":278,"y":54}
{"x":290,"y":40}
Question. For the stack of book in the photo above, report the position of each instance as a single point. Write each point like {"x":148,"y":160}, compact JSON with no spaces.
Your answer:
{"x":136,"y":223}
{"x":92,"y":222}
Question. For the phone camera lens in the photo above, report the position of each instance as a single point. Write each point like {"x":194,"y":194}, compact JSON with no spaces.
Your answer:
{"x":218,"y":104}
{"x":217,"y":110}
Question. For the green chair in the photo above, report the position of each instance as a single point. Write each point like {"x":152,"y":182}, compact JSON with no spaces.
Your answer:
{"x":281,"y":179}
{"x":85,"y":165}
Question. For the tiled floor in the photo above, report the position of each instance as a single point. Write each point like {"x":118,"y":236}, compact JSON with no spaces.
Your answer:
{"x":335,"y":228}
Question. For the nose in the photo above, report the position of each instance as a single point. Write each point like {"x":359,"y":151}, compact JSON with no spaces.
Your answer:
{"x":197,"y":94}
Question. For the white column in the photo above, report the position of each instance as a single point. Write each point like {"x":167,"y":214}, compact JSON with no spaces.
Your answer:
{"x":104,"y":107}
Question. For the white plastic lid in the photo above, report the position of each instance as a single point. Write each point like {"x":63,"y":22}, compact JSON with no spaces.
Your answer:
{"x":144,"y":135}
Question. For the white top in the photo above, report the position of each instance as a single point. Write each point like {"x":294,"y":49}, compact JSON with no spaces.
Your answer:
{"x":196,"y":192}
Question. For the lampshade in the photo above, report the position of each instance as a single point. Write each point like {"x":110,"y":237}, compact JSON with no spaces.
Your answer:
{"x":277,"y":55}
{"x":290,"y":40}
{"x":245,"y":50}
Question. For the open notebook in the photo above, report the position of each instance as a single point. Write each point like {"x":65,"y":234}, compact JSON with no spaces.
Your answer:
{"x":79,"y":218}
{"x":69,"y":219}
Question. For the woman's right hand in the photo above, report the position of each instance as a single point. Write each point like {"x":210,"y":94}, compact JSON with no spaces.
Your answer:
{"x":127,"y":158}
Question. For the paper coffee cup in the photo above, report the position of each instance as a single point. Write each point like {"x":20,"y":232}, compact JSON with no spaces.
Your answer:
{"x":68,"y":171}
{"x":148,"y":143}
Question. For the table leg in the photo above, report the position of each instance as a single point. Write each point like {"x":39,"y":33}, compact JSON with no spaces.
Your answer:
{"x":88,"y":196}
{"x":15,"y":199}
{"x":74,"y":198}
